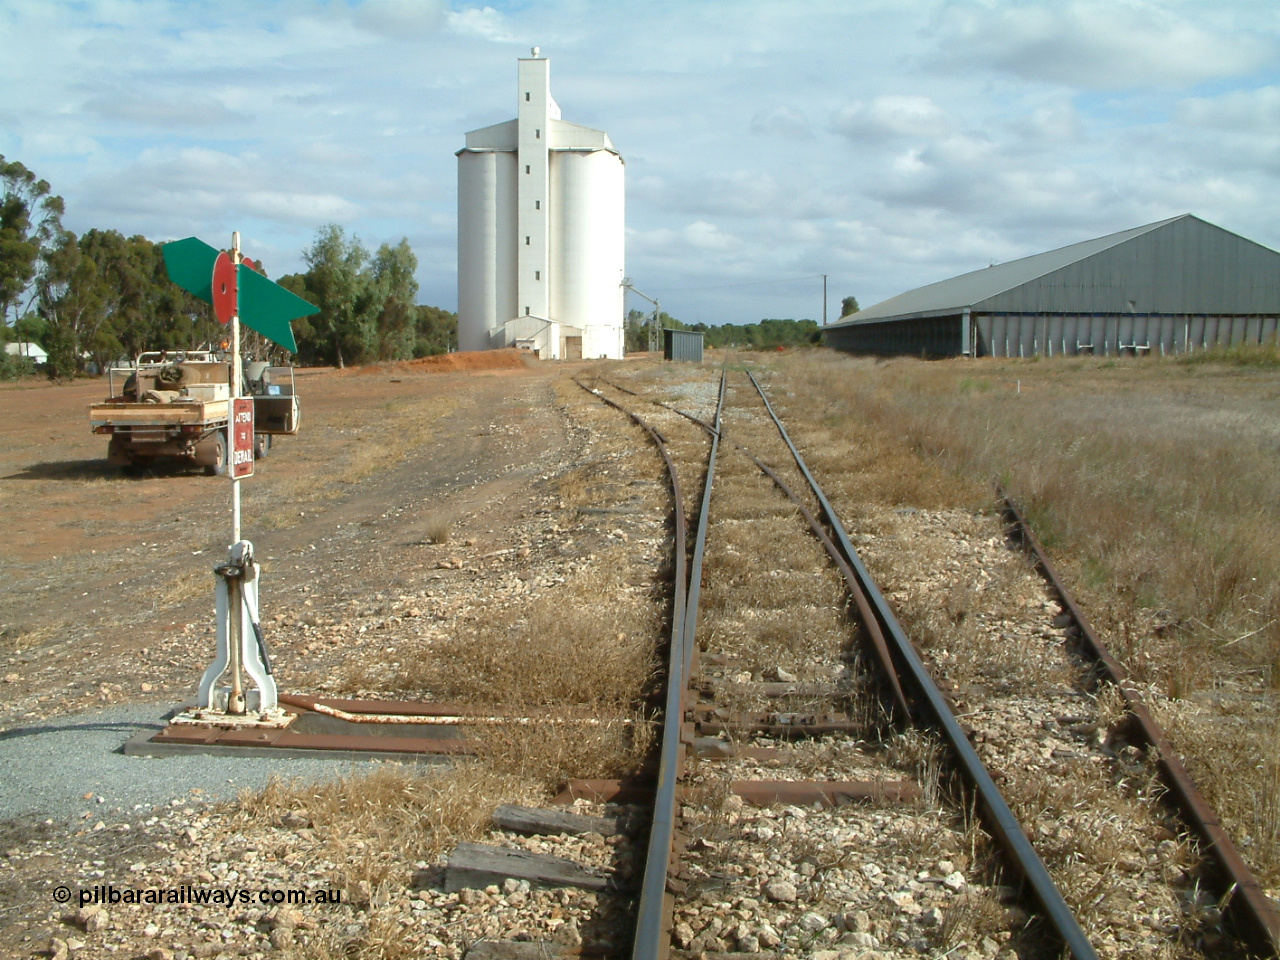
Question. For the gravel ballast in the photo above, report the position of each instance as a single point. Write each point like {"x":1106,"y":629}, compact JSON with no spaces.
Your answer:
{"x":50,"y":765}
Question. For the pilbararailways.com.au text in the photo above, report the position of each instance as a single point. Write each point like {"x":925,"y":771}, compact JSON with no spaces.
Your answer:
{"x":186,"y":894}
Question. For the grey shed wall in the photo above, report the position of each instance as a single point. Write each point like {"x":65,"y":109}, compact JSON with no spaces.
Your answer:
{"x":1177,"y":285}
{"x":682,"y":345}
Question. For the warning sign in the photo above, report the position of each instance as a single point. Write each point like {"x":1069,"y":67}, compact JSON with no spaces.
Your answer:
{"x":242,"y":438}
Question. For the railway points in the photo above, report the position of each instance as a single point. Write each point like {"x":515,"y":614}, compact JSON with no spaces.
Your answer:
{"x":814,"y":808}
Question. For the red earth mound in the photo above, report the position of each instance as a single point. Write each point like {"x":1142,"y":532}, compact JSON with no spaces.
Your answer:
{"x":453,"y":362}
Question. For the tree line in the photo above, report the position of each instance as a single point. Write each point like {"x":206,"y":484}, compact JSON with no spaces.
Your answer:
{"x":768,"y":334}
{"x":101,"y":296}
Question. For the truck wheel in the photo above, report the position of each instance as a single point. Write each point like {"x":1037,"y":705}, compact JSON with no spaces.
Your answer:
{"x":118,"y":453}
{"x":261,"y":445}
{"x":214,"y":450}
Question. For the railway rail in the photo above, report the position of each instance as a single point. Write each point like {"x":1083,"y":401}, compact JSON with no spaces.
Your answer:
{"x":698,"y":726}
{"x":819,"y":780}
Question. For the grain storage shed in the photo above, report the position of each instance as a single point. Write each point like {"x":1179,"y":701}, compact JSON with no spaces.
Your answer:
{"x":1169,"y":287}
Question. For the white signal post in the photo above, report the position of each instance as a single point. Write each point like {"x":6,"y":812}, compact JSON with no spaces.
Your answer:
{"x":240,"y":645}
{"x":235,"y":699}
{"x":236,"y":387}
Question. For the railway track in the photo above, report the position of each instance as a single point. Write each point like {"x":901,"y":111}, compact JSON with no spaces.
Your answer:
{"x":825,"y":787}
{"x":798,"y":694}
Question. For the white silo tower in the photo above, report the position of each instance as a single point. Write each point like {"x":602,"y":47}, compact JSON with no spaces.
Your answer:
{"x":541,"y":210}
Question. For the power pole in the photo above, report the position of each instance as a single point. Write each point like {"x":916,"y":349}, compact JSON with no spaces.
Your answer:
{"x":824,"y":299}
{"x":655,"y":331}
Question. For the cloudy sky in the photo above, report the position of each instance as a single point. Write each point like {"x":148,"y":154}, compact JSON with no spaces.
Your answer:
{"x":886,"y":143}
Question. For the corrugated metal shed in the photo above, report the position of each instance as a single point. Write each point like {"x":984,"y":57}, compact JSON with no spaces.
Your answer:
{"x":682,"y":345}
{"x":1140,"y":289}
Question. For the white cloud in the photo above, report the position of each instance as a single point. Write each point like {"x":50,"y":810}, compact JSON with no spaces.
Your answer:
{"x":701,"y":235}
{"x":196,"y":110}
{"x":893,"y":115}
{"x":1097,"y":43}
{"x":399,"y":19}
{"x":887,"y":143}
{"x":486,"y":23}
{"x":1246,"y":111}
{"x":787,"y":123}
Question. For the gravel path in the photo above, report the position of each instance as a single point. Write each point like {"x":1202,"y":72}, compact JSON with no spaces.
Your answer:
{"x":50,"y":766}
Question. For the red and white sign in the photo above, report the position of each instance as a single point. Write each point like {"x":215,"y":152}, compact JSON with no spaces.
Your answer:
{"x":224,"y":287}
{"x":242,"y":438}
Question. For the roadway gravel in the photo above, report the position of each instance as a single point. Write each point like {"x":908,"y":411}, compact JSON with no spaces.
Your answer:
{"x":50,"y":765}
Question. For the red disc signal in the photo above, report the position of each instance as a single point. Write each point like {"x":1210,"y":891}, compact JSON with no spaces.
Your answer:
{"x":224,"y":288}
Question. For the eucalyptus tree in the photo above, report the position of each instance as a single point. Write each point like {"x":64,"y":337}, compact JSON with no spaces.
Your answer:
{"x":30,"y":222}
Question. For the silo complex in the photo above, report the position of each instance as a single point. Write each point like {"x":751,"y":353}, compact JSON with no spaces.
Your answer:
{"x":540,"y":232}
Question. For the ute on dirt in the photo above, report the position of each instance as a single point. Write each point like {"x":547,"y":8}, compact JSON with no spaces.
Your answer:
{"x":177,"y":404}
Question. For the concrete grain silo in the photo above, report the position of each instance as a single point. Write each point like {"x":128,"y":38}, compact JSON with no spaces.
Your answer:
{"x":541,"y":219}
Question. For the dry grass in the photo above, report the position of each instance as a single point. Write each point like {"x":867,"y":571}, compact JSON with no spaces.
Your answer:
{"x":188,"y":586}
{"x":1153,"y":485}
{"x":15,"y":639}
{"x":587,"y":642}
{"x":956,"y":628}
{"x":1224,"y":754}
{"x":378,"y":825}
{"x":969,"y":918}
{"x":1156,"y":482}
{"x":550,"y":754}
{"x":374,"y":828}
{"x":437,"y":530}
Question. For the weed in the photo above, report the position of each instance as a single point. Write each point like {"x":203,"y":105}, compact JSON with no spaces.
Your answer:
{"x":570,"y":647}
{"x":186,"y":587}
{"x":437,"y":530}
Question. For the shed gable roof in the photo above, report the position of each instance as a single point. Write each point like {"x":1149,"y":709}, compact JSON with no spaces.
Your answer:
{"x":970,"y":289}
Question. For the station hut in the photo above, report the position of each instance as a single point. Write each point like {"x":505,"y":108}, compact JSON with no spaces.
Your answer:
{"x":1173,"y":286}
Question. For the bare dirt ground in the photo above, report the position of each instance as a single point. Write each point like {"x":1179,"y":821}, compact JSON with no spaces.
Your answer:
{"x":106,"y":581}
{"x":428,"y":515}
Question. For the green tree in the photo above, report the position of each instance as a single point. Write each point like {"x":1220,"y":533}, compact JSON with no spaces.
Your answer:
{"x":435,"y":331}
{"x":69,"y":301}
{"x":337,"y":283}
{"x":636,"y":331}
{"x":30,"y":222}
{"x":394,"y":287}
{"x":31,"y":328}
{"x":849,"y":306}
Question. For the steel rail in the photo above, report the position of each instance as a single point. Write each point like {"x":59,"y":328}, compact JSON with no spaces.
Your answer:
{"x":1000,"y":819}
{"x":1251,"y":911}
{"x":653,"y":939}
{"x":653,"y":924}
{"x":865,"y":615}
{"x":700,"y":541}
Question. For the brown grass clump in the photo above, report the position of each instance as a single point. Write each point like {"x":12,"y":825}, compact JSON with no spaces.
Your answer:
{"x":588,"y":641}
{"x":187,"y":586}
{"x":391,"y":817}
{"x":437,"y":530}
{"x":615,"y":746}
